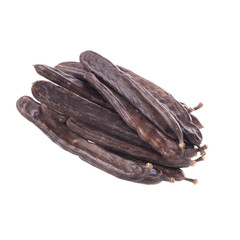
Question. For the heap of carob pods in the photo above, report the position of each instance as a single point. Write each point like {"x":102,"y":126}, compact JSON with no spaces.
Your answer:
{"x":115,"y":120}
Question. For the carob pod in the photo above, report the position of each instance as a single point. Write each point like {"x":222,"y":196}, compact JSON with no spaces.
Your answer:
{"x":72,"y":105}
{"x":69,"y":82}
{"x":75,"y":69}
{"x":111,"y":142}
{"x":145,"y":129}
{"x":79,"y":70}
{"x":117,"y":145}
{"x":133,"y":92}
{"x":191,"y":132}
{"x":91,"y":153}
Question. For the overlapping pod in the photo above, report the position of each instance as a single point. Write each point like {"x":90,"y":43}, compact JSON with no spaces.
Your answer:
{"x":71,"y":83}
{"x":95,"y":155}
{"x":145,"y":129}
{"x":191,"y":132}
{"x":89,"y":120}
{"x":70,"y":104}
{"x":133,"y":92}
{"x":77,"y":70}
{"x":72,"y":68}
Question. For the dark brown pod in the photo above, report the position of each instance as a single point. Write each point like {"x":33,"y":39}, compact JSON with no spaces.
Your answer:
{"x":117,"y":145}
{"x":75,"y":69}
{"x":191,"y":132}
{"x":67,"y":67}
{"x":133,"y":92}
{"x":72,"y":105}
{"x":69,"y":82}
{"x":145,"y":129}
{"x":112,"y":143}
{"x":93,"y":154}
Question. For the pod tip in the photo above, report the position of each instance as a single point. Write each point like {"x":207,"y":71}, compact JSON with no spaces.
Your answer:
{"x":202,"y":158}
{"x":181,"y":145}
{"x":172,"y":180}
{"x":190,"y":109}
{"x":149,"y":166}
{"x":205,"y":146}
{"x":200,"y":105}
{"x":203,"y":153}
{"x":194,"y":181}
{"x":193,"y":163}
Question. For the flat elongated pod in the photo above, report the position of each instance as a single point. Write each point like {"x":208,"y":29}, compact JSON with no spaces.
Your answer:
{"x":134,"y":93}
{"x":91,"y":153}
{"x":117,"y":145}
{"x":191,"y":131}
{"x":72,"y":105}
{"x":69,"y":82}
{"x":75,"y":69}
{"x":145,"y":129}
{"x":189,"y":150}
{"x":111,"y":142}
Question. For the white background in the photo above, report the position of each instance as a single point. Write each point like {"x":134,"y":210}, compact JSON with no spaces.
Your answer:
{"x":190,"y":48}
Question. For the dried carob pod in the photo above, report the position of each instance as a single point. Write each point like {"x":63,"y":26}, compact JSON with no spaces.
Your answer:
{"x":72,"y":105}
{"x":115,"y":120}
{"x":191,"y":132}
{"x":119,"y":146}
{"x":133,"y":92}
{"x":111,"y":142}
{"x":67,"y":81}
{"x":77,"y":70}
{"x":92,"y":153}
{"x":79,"y":108}
{"x":145,"y":129}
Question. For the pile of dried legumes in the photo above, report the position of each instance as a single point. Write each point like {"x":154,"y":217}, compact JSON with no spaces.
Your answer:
{"x":115,"y":120}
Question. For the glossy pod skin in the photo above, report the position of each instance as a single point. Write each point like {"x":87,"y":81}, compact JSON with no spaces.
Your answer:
{"x":93,"y":154}
{"x":75,"y":69}
{"x":191,"y":132}
{"x":112,"y":143}
{"x":119,"y":146}
{"x":170,"y":151}
{"x":134,"y":93}
{"x":115,"y":120}
{"x":71,"y":83}
{"x":145,"y":129}
{"x":79,"y":108}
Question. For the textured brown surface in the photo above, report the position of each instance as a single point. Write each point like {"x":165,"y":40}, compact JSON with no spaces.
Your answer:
{"x":77,"y":107}
{"x":137,"y":95}
{"x":115,"y":120}
{"x":71,"y":83}
{"x":191,"y":132}
{"x":93,"y":154}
